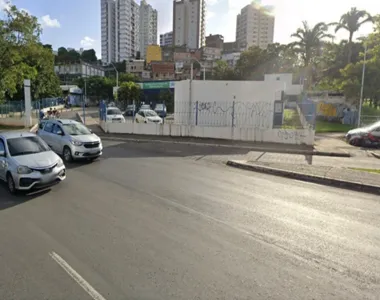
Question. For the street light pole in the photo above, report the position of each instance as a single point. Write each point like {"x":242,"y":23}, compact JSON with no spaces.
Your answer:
{"x":117,"y":75}
{"x":362,"y":87}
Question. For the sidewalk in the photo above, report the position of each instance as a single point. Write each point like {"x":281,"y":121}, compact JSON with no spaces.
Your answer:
{"x":327,"y":172}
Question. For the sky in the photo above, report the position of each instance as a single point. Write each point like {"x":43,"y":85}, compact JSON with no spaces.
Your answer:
{"x":76,"y":23}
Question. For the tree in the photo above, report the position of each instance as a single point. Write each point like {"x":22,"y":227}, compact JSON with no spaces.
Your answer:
{"x":222,"y":71}
{"x":129,"y":92}
{"x":126,"y":77}
{"x":167,"y":97}
{"x":97,"y":87}
{"x":308,"y":46}
{"x":22,"y":56}
{"x":352,"y":21}
{"x":89,"y":56}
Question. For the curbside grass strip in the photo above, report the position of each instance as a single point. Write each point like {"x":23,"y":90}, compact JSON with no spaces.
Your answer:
{"x":351,"y":185}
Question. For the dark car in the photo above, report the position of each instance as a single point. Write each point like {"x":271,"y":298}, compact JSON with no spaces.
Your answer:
{"x":365,"y":136}
{"x":160,"y":109}
{"x":130,"y":111}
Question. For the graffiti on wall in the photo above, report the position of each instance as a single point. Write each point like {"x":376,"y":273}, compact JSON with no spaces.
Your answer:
{"x":246,"y":114}
{"x":331,"y":110}
{"x":291,"y":135}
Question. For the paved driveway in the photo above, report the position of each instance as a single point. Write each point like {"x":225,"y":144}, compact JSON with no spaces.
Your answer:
{"x":155,"y":223}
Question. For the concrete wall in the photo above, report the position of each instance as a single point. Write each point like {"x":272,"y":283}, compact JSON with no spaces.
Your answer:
{"x":283,"y":136}
{"x":252,"y":102}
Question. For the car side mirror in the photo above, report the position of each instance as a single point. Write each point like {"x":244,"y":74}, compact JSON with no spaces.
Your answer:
{"x":2,"y":153}
{"x":90,"y":130}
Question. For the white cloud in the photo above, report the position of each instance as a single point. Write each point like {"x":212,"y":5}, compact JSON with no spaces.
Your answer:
{"x":211,"y":2}
{"x":210,"y":15}
{"x":47,"y":21}
{"x":87,"y":42}
{"x":4,"y":4}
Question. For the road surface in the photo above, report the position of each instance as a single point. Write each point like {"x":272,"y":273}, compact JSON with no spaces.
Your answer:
{"x":153,"y":222}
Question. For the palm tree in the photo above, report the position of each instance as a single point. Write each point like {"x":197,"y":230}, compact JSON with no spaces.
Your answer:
{"x":309,"y":43}
{"x":352,"y":21}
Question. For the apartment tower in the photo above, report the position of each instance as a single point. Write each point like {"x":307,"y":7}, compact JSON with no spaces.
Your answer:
{"x":120,"y":20}
{"x":189,"y":23}
{"x":255,"y":26}
{"x":148,"y":27}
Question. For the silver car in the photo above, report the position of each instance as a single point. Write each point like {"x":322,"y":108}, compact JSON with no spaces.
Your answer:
{"x":70,"y":139}
{"x":27,"y":162}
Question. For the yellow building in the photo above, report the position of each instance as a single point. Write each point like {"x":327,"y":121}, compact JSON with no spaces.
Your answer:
{"x":153,"y":53}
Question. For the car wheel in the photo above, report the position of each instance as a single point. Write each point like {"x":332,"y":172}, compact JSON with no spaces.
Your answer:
{"x":11,"y":184}
{"x":356,"y":142}
{"x":67,"y":156}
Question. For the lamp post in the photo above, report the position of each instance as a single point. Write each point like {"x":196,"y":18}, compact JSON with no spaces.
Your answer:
{"x":117,"y":75}
{"x":362,"y":87}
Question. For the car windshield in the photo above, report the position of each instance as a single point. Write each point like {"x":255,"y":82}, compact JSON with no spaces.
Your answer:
{"x":26,"y":145}
{"x":113,"y":111}
{"x":160,"y":107}
{"x":76,"y":129}
{"x":150,"y":113}
{"x":130,"y":107}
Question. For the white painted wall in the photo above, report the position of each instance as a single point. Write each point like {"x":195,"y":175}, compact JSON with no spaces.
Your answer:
{"x":254,"y":102}
{"x":283,"y":136}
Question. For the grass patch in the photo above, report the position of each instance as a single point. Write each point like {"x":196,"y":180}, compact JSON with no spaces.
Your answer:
{"x":325,"y":126}
{"x":376,"y":171}
{"x":291,"y":119}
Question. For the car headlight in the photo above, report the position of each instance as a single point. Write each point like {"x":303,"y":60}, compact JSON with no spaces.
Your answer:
{"x":76,"y":143}
{"x":60,"y":163}
{"x":23,"y":170}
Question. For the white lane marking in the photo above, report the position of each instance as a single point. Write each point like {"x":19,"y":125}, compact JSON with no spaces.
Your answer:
{"x":74,"y":275}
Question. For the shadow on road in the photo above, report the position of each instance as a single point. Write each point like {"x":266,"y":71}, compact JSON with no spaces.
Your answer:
{"x":7,"y":200}
{"x":146,"y":149}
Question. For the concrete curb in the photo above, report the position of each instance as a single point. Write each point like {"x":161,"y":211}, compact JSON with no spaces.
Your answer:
{"x":250,"y":148}
{"x":375,"y":154}
{"x":34,"y":128}
{"x":351,"y":185}
{"x":79,"y":118}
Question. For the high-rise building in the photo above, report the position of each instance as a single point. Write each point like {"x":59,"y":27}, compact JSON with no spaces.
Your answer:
{"x":215,"y":41}
{"x":189,"y":23}
{"x":166,"y":39}
{"x":255,"y":25}
{"x":108,"y":30}
{"x":148,"y":27}
{"x":120,"y":20}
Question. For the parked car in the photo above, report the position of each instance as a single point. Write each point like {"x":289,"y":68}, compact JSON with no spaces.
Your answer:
{"x":130,"y":111}
{"x":160,"y":109}
{"x":365,"y":136}
{"x":27,"y":162}
{"x":145,"y":107}
{"x":115,"y":115}
{"x":71,"y":139}
{"x":147,"y":116}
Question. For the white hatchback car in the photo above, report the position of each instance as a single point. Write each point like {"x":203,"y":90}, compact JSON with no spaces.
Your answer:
{"x":114,"y":115}
{"x":148,"y":116}
{"x":27,"y":162}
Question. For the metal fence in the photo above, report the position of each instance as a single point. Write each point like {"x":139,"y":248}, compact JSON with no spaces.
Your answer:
{"x":17,"y":107}
{"x":368,"y":120}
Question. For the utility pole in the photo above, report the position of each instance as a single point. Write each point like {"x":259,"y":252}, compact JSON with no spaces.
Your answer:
{"x":362,"y":87}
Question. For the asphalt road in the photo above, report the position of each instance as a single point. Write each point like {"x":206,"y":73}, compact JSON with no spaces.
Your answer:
{"x":153,"y":222}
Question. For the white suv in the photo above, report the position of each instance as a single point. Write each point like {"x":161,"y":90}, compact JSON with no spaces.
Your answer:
{"x":70,"y":139}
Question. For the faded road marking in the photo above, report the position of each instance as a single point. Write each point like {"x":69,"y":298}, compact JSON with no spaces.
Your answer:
{"x":74,"y":275}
